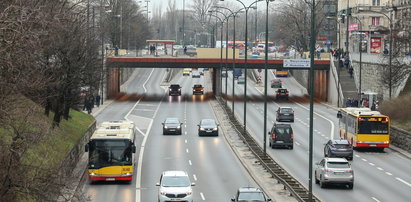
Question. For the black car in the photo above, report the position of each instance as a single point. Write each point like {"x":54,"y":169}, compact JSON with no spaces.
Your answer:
{"x":285,"y":113}
{"x":208,"y":127}
{"x":281,"y":93}
{"x":174,"y":89}
{"x":338,"y":148}
{"x":172,"y":126}
{"x":281,"y":135}
{"x":250,"y":194}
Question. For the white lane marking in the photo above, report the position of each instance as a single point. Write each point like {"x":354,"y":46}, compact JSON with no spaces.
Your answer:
{"x":187,"y":150}
{"x":185,"y":126}
{"x":364,"y":159}
{"x":144,"y":84}
{"x":323,"y":135}
{"x":375,"y":199}
{"x":388,"y":173}
{"x":332,"y":123}
{"x":189,"y":162}
{"x":185,"y":141}
{"x":202,"y":196}
{"x":195,"y":177}
{"x":297,"y":143}
{"x":272,"y":122}
{"x":140,"y":157}
{"x":403,"y":181}
{"x":185,"y":133}
{"x":358,"y":156}
{"x":371,"y":164}
{"x":379,"y":168}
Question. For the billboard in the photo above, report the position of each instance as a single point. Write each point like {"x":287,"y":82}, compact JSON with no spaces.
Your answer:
{"x":375,"y":45}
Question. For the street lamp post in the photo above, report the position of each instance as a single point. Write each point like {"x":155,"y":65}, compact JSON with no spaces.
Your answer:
{"x":234,"y":14}
{"x":265,"y":77}
{"x":246,"y":8}
{"x":390,"y":47}
{"x":360,"y":70}
{"x":226,"y":51}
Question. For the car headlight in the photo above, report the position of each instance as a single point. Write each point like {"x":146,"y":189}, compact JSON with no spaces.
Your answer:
{"x":178,"y":126}
{"x":165,"y":127}
{"x":189,"y":192}
{"x":215,"y":128}
{"x":201,"y":128}
{"x":163,"y":193}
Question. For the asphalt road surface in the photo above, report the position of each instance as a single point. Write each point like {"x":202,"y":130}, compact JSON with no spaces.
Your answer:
{"x":209,"y":161}
{"x":379,"y":176}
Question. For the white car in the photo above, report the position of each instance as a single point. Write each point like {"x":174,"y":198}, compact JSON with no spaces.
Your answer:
{"x":175,"y":186}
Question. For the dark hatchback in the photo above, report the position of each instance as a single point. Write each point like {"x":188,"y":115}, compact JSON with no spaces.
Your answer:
{"x":285,"y":113}
{"x":172,"y":126}
{"x":281,"y":135}
{"x":281,"y":93}
{"x":338,"y":148}
{"x":250,"y":194}
{"x":174,"y":89}
{"x":208,"y":127}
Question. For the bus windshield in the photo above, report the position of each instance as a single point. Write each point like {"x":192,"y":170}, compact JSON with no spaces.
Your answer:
{"x":372,"y":127}
{"x":110,"y":153}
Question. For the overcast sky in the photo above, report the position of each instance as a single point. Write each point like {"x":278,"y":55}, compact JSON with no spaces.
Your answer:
{"x":156,"y":3}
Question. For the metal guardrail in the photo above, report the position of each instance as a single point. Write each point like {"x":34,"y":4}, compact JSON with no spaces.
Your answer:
{"x":296,"y":188}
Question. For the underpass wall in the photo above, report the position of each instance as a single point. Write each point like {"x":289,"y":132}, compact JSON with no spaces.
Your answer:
{"x":301,"y":76}
{"x":401,"y":139}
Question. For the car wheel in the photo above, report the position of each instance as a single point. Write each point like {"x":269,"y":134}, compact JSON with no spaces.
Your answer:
{"x":351,"y":186}
{"x":316,"y":180}
{"x":291,"y":147}
{"x":322,"y":184}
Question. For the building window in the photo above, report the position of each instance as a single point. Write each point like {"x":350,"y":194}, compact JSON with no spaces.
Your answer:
{"x":375,"y":2}
{"x":375,"y":21}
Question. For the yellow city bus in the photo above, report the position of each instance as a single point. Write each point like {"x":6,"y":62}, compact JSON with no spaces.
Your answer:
{"x":281,"y":73}
{"x":110,"y":151}
{"x":364,"y":128}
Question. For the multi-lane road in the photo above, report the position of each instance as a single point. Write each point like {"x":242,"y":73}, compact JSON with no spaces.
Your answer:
{"x":378,"y":176}
{"x":211,"y":163}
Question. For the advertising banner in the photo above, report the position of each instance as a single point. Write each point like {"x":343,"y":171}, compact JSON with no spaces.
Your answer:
{"x":375,"y":45}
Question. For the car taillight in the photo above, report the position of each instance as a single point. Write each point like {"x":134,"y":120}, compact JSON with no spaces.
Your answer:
{"x":273,"y":137}
{"x":286,"y":93}
{"x":349,"y":171}
{"x":278,"y":93}
{"x":327,"y":170}
{"x":292,"y":137}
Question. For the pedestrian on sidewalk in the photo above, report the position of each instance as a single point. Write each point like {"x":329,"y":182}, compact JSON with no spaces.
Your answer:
{"x":351,"y":71}
{"x":185,"y":50}
{"x":88,"y":105}
{"x":348,"y":102}
{"x":355,"y":103}
{"x":98,"y":100}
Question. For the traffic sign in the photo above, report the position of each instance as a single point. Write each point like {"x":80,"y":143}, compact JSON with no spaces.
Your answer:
{"x":293,"y":63}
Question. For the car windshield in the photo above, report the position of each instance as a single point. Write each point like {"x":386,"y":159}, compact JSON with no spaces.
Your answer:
{"x":286,"y":110}
{"x":331,"y":164}
{"x":208,"y":122}
{"x":172,"y":121}
{"x":251,"y":196}
{"x":175,"y":181}
{"x":372,"y":127}
{"x":197,"y":86}
{"x":175,"y":86}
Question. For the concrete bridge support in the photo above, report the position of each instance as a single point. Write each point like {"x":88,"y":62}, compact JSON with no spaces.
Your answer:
{"x":113,"y":82}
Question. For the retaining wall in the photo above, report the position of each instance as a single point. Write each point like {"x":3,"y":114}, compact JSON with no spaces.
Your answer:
{"x":401,"y":139}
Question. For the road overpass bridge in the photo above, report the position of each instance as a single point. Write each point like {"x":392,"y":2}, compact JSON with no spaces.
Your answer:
{"x":114,"y":65}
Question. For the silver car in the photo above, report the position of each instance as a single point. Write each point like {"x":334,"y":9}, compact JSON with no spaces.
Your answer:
{"x":175,"y":186}
{"x":334,"y":171}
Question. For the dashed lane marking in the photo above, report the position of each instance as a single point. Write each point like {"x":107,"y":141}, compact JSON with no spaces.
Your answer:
{"x":379,"y":168}
{"x":364,"y":159}
{"x":388,"y":173}
{"x":297,"y":143}
{"x":202,"y":196}
{"x":371,"y":164}
{"x":189,"y":162}
{"x":375,"y":199}
{"x":403,"y":181}
{"x":185,"y":141}
{"x":195,"y":177}
{"x":187,"y":150}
